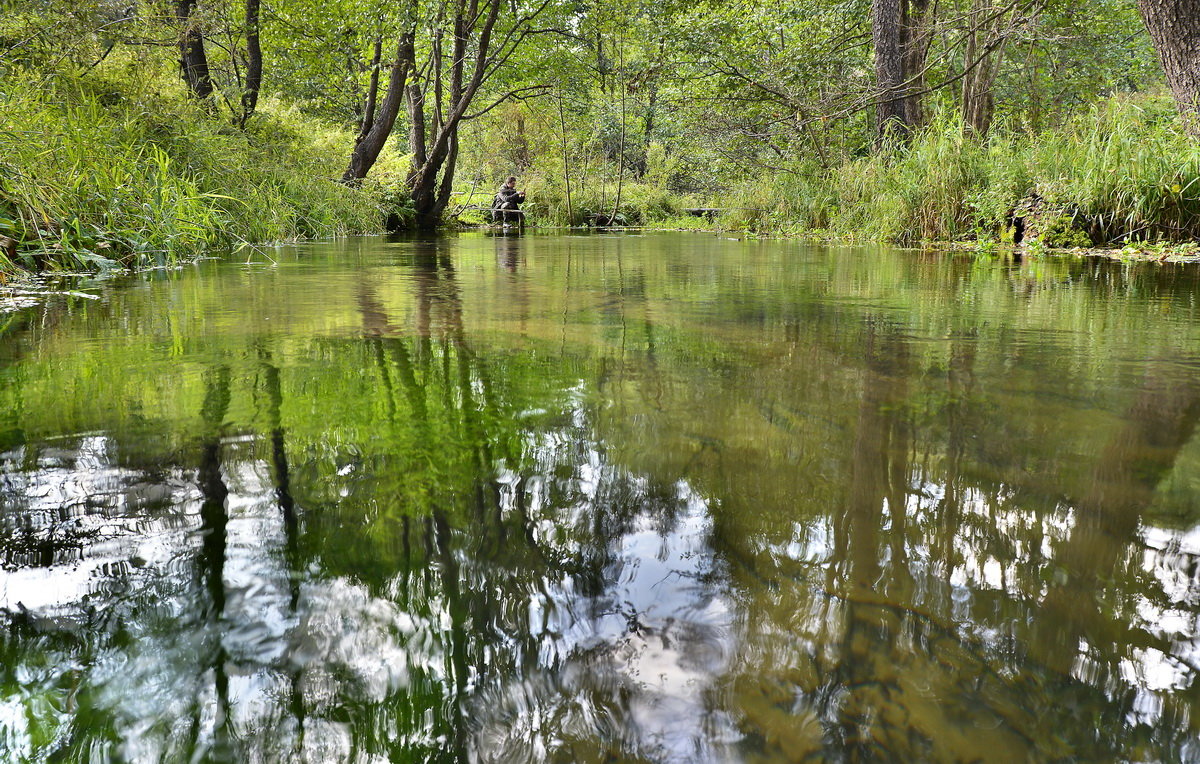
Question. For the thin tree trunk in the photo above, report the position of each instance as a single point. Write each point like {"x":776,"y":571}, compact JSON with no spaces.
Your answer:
{"x":521,"y":156}
{"x":193,"y":60}
{"x":601,"y":62}
{"x":368,"y":118}
{"x":254,"y":63}
{"x":620,"y":154}
{"x":562,"y":124}
{"x":987,"y":39}
{"x":366,"y":151}
{"x":1174,"y":26}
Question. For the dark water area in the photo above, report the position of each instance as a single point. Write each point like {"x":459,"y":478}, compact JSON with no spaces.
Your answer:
{"x":661,"y":498}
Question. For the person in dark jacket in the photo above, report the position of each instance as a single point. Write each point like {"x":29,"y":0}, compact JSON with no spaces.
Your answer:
{"x":507,"y":198}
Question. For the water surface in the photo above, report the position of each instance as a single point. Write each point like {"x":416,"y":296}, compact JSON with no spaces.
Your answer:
{"x":662,"y":498}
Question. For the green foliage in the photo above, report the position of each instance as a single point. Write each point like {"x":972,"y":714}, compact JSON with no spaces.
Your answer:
{"x":104,"y":172}
{"x":1061,"y":232}
{"x":763,"y":112}
{"x":1124,"y":169}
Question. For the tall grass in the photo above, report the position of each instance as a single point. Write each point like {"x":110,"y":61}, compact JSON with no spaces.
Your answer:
{"x":1125,"y":169}
{"x":101,"y":173}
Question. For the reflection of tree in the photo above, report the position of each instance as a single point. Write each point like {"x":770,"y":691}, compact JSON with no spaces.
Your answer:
{"x":475,"y":543}
{"x":212,"y":560}
{"x":291,"y":521}
{"x":855,"y":572}
{"x":1097,"y":556}
{"x":456,"y":523}
{"x":901,"y":649}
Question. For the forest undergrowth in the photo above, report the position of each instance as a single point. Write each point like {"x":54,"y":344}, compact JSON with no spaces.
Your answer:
{"x":119,"y":171}
{"x":103,"y":173}
{"x":1124,"y":172}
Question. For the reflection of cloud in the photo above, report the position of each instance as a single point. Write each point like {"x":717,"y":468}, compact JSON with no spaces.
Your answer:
{"x":75,"y":498}
{"x":628,"y":670}
{"x":626,"y":655}
{"x":1172,"y":558}
{"x":609,"y":631}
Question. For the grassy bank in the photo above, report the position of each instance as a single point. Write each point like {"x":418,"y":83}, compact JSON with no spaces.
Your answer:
{"x":1123,"y":172}
{"x":115,"y":170}
{"x":108,"y":172}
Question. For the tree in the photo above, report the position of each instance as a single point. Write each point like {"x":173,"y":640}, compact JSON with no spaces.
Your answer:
{"x":989,"y":28}
{"x":254,"y":64}
{"x":378,"y":123}
{"x":464,"y":44}
{"x":193,"y":58}
{"x":890,"y":118}
{"x":901,"y":44}
{"x":1174,"y":26}
{"x":195,"y":65}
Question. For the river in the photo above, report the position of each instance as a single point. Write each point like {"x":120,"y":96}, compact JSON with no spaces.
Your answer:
{"x":608,"y":497}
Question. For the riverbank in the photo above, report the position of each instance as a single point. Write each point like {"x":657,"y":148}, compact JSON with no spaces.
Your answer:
{"x":1150,"y":252}
{"x":1124,"y":174}
{"x":106,"y":174}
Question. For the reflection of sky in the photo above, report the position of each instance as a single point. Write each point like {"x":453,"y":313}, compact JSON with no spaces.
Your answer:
{"x":635,"y":659}
{"x":76,"y":498}
{"x":641,"y":657}
{"x":1170,"y":557}
{"x":633,"y":667}
{"x":1003,"y":547}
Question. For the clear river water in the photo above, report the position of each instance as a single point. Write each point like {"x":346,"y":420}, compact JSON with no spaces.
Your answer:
{"x":604,"y":498}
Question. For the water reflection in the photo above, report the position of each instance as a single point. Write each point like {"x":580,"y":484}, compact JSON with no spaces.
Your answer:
{"x":597,"y":500}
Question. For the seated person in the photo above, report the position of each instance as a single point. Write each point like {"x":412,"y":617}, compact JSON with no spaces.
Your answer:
{"x":507,"y":198}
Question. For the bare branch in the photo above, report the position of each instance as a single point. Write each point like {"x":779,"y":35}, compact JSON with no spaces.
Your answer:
{"x":512,"y":95}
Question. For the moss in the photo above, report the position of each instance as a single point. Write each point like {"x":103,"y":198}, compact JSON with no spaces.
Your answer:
{"x":1061,"y":232}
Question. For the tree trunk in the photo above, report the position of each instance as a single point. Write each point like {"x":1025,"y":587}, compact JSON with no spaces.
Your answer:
{"x":366,"y":151}
{"x":887,"y":32}
{"x":601,"y":62}
{"x":454,"y":82}
{"x":447,"y":186}
{"x":434,"y":154}
{"x":612,"y":219}
{"x":368,"y":117}
{"x":254,"y":64}
{"x":522,"y":158}
{"x":193,"y":61}
{"x":918,"y":35}
{"x":1174,"y":26}
{"x":987,"y":37}
{"x":415,"y":101}
{"x":562,"y":124}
